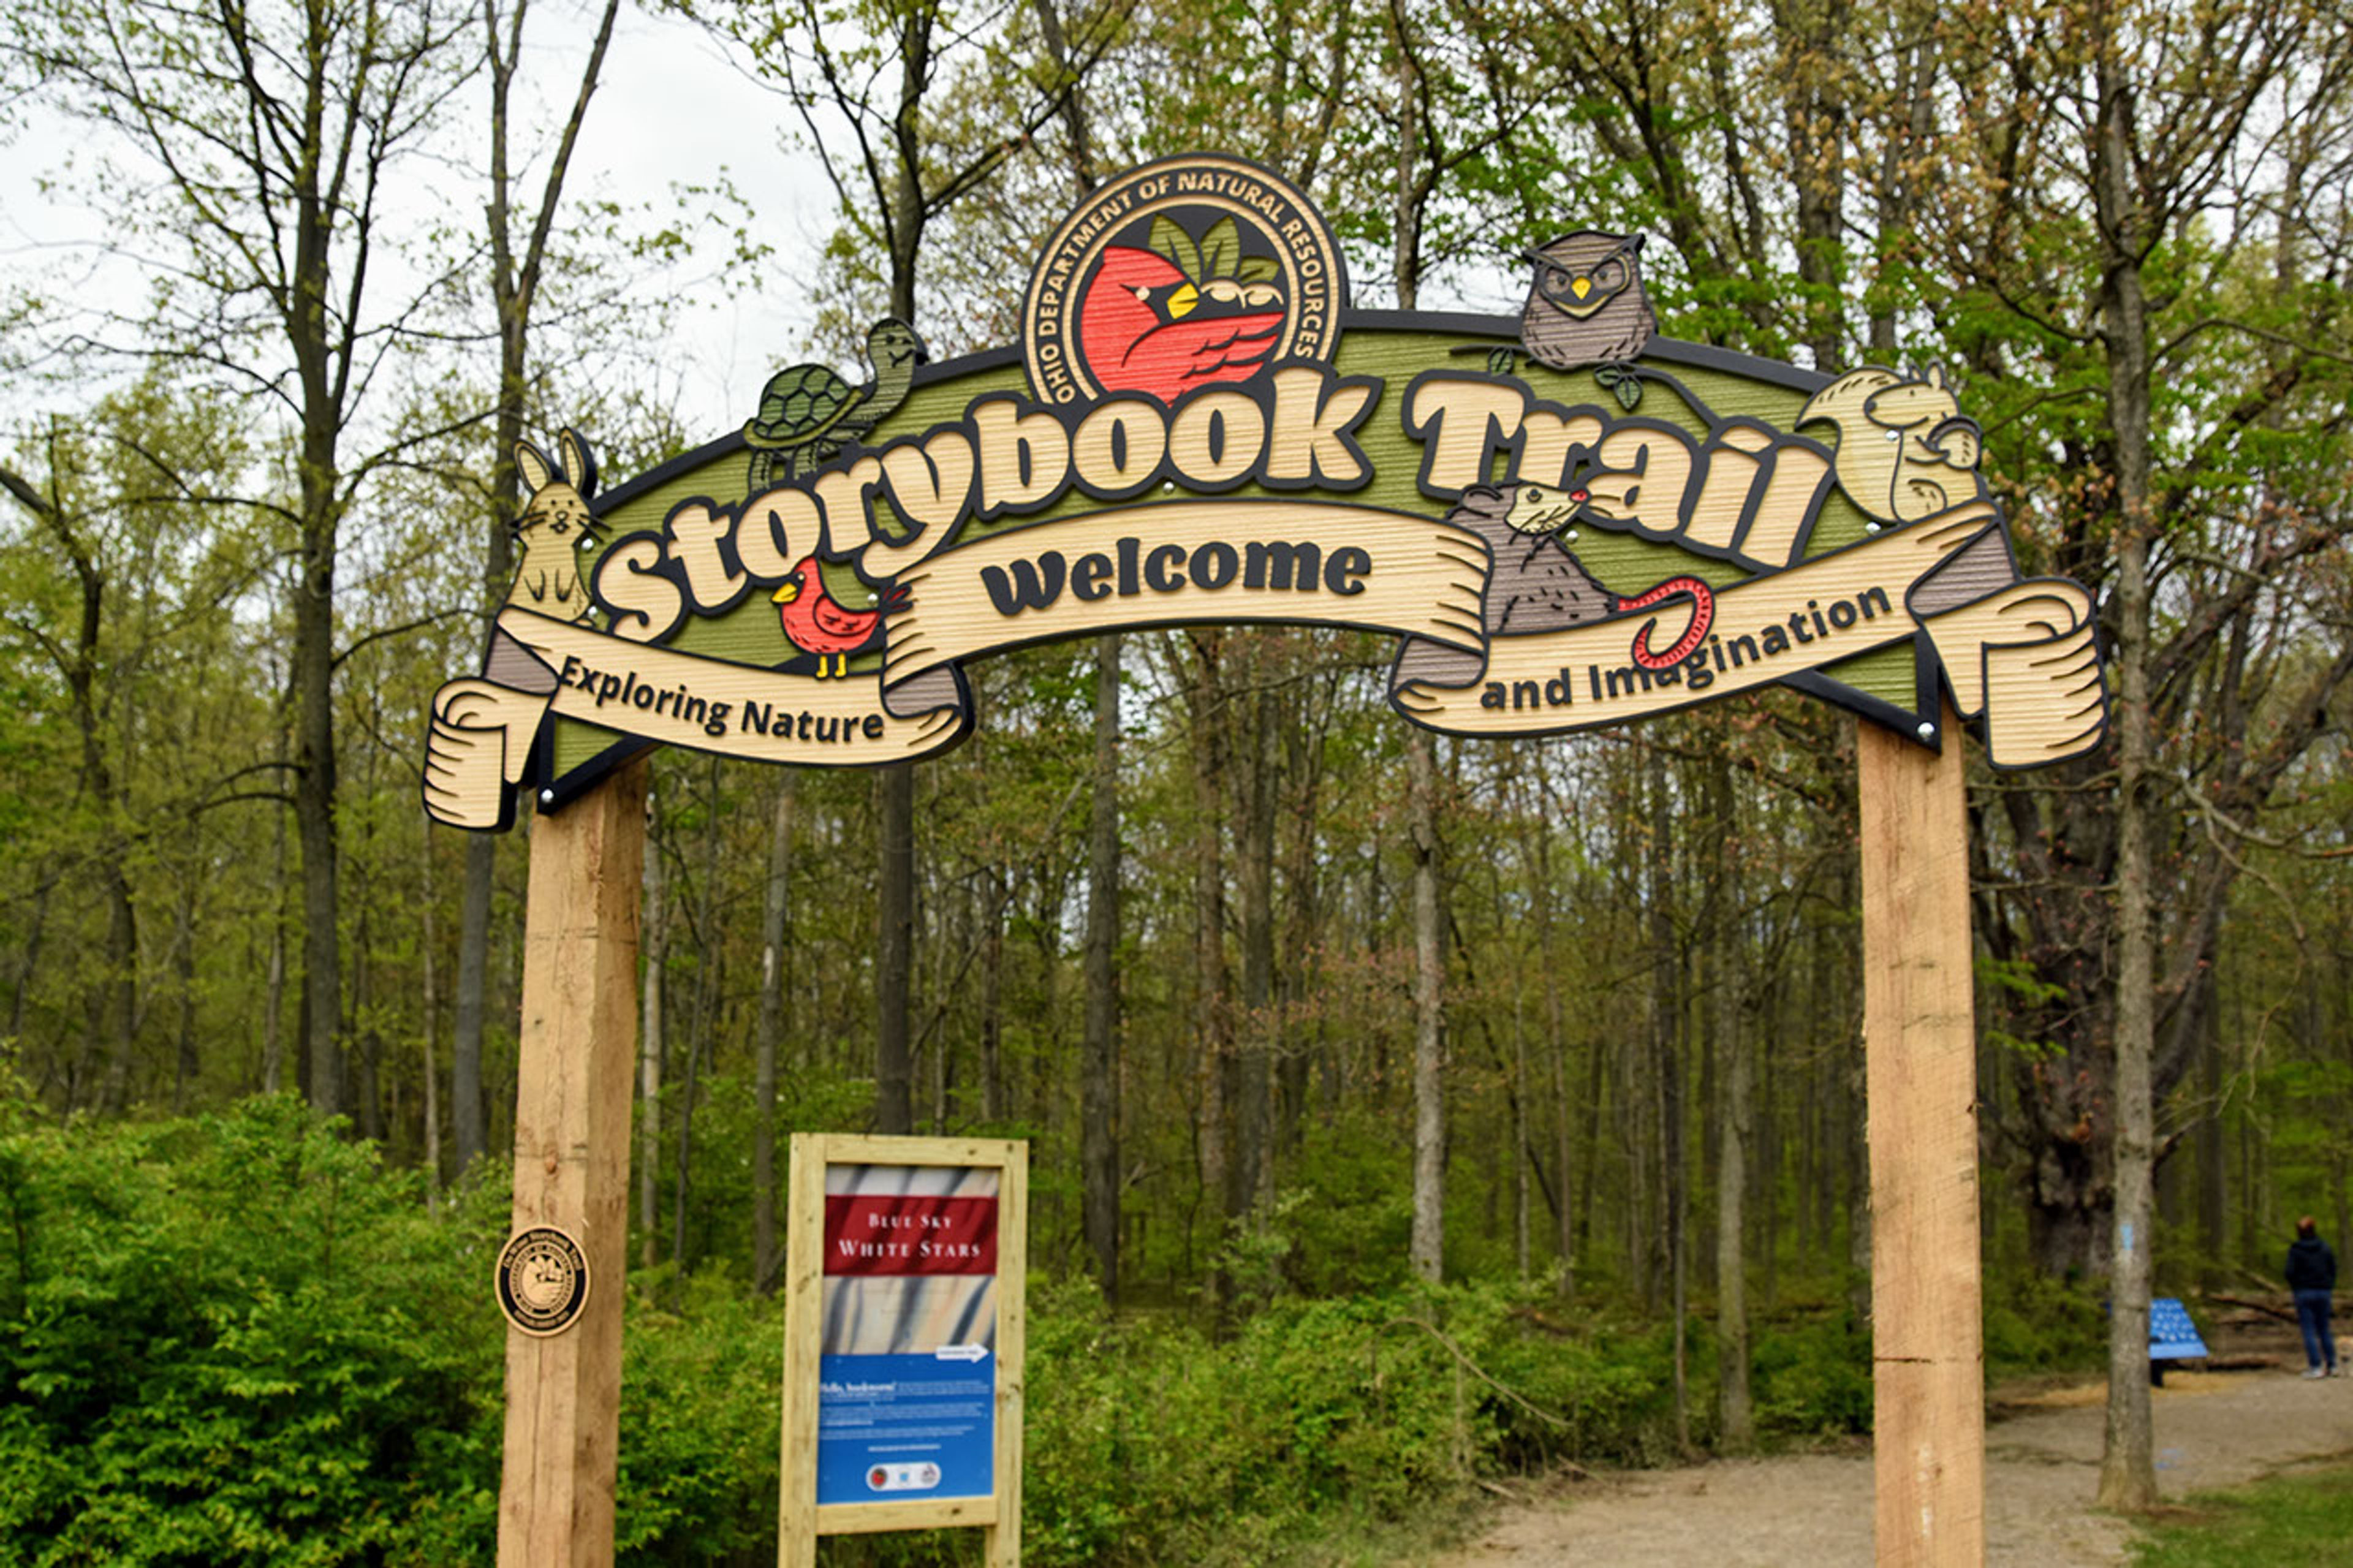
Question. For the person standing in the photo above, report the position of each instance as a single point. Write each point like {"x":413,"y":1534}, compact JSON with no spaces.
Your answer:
{"x":2312,"y":1277}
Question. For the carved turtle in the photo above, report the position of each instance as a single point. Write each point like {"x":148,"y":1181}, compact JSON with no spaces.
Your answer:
{"x":809,"y":413}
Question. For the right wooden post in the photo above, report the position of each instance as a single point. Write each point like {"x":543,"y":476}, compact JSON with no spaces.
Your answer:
{"x":1920,"y":1053}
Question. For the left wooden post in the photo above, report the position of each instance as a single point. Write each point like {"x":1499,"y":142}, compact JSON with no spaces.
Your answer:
{"x":577,"y":1047}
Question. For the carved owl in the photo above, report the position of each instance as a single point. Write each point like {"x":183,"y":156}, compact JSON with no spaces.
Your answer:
{"x":1586,"y":304}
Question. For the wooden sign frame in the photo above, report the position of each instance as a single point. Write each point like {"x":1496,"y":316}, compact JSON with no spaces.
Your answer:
{"x":801,"y":1518}
{"x":1567,"y":522}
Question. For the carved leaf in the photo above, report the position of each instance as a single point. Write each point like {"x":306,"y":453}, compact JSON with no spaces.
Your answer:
{"x":1174,"y":243}
{"x":1221,"y":248}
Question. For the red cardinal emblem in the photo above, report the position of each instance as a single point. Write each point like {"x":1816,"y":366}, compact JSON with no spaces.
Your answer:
{"x":1148,"y":326}
{"x":816,"y":622}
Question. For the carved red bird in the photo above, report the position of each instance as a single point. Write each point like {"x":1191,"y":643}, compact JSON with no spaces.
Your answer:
{"x":817,"y":623}
{"x":1147,"y":327}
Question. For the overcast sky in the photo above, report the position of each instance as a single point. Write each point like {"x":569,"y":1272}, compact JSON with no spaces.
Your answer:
{"x":670,"y":111}
{"x":673,"y":110}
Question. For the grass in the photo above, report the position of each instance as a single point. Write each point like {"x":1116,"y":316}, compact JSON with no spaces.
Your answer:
{"x":2298,"y":1519}
{"x":1355,"y":1540}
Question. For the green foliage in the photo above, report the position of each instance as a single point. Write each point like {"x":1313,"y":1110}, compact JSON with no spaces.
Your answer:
{"x":2035,"y":1323}
{"x":2284,"y":1522}
{"x":237,"y":1339}
{"x":701,"y":1393}
{"x":243,"y":1337}
{"x":1812,"y":1377}
{"x":1347,"y":1220}
{"x":1150,"y":1444}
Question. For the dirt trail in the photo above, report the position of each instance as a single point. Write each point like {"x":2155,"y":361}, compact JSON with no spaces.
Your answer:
{"x":2042,"y":1456}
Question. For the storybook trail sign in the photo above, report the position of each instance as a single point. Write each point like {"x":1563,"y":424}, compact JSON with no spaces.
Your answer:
{"x":1565,"y":522}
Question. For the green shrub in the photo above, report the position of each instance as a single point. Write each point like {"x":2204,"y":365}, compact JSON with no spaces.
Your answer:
{"x":1811,"y":1377}
{"x":1149,"y":1443}
{"x":243,"y":1338}
{"x":2035,"y":1323}
{"x":237,"y":1338}
{"x":701,"y":1402}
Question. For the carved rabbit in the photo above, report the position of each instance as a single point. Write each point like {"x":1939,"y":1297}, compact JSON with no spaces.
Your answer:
{"x":556,"y":526}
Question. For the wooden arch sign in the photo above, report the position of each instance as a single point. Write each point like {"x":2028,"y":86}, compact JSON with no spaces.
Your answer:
{"x":1564,"y":519}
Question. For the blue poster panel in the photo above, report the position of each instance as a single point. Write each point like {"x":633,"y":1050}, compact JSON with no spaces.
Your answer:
{"x":907,"y":1367}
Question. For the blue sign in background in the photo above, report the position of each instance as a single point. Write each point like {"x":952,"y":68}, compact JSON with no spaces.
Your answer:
{"x":2171,"y":1335}
{"x":902,"y":1428}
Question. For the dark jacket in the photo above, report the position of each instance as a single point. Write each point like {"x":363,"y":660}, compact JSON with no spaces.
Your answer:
{"x":2310,"y":1265}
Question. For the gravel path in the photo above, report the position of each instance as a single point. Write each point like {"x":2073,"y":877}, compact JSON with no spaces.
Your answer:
{"x":2042,"y":1456}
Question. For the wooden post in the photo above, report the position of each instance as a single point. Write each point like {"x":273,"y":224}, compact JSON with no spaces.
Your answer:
{"x":804,"y":1312}
{"x":1002,"y":1547}
{"x":1920,"y":1047}
{"x":572,"y":1169}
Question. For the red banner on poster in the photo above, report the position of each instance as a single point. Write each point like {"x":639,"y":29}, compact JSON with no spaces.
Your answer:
{"x":902,"y":1234}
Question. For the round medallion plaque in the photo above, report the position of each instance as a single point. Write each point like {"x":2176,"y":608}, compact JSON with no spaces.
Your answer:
{"x":543,"y":1280}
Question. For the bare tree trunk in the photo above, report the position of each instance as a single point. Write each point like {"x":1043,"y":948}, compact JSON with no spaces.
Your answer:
{"x":683,"y":1173}
{"x":1253,"y":1164}
{"x":766,"y":1258}
{"x":1564,"y":1153}
{"x":431,"y":957}
{"x":2127,"y":1465}
{"x":1303,"y":737}
{"x":1597,"y":1067}
{"x":894,"y":786}
{"x":1522,"y":1154}
{"x":1897,"y":200}
{"x":1100,"y":1054}
{"x":184,"y":972}
{"x":2213,"y":1159}
{"x":113,"y":1000}
{"x":894,"y":953}
{"x":117,"y":999}
{"x":314,"y":737}
{"x":1735,"y":1414}
{"x":1557,"y":1043}
{"x":1212,"y":1005}
{"x":1814,"y":117}
{"x":705,"y":930}
{"x":365,"y":1086}
{"x":467,"y":1132}
{"x":29,"y":964}
{"x":1766,"y":1071}
{"x":1427,"y":1247}
{"x":993,"y":1105}
{"x":1666,"y":1020}
{"x":273,"y":1004}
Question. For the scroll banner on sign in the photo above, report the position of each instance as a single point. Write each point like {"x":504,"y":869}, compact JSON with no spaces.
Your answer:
{"x":2020,"y":654}
{"x":1290,"y":563}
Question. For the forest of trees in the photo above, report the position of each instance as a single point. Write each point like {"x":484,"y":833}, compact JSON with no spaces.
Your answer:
{"x":1192,"y":910}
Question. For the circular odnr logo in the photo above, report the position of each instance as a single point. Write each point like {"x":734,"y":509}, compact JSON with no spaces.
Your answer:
{"x":1188,"y":272}
{"x":543,"y":1280}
